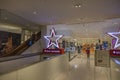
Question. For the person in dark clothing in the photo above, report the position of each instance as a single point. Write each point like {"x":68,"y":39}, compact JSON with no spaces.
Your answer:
{"x":88,"y":52}
{"x":79,"y":49}
{"x":30,"y":42}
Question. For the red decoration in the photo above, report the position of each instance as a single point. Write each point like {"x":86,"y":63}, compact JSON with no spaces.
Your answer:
{"x":115,"y":53}
{"x":53,"y":51}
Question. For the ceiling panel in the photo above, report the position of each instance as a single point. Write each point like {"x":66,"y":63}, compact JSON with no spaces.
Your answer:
{"x":62,"y":11}
{"x":52,"y":12}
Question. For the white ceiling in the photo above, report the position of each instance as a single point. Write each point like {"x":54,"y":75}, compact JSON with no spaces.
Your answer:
{"x":63,"y":11}
{"x":52,"y":12}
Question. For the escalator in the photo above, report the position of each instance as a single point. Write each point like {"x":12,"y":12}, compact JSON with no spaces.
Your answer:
{"x":25,"y":45}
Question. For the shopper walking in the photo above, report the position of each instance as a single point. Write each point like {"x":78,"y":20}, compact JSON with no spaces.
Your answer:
{"x":88,"y":52}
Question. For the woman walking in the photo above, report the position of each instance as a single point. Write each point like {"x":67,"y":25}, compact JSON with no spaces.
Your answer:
{"x":88,"y":52}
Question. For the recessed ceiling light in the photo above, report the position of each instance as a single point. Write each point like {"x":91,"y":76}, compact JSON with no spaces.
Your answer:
{"x":34,"y":12}
{"x":77,"y":5}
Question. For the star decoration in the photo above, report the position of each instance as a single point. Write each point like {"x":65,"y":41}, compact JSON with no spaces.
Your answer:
{"x":117,"y":41}
{"x":53,"y":39}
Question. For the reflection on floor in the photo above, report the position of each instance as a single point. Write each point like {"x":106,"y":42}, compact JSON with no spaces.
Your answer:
{"x":82,"y":68}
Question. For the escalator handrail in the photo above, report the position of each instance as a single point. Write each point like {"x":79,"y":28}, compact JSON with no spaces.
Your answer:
{"x":23,"y":45}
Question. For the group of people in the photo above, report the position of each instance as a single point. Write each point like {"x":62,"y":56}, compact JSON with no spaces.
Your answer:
{"x":86,"y":48}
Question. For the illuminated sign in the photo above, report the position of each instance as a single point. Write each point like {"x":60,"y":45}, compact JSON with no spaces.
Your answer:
{"x":116,"y":36}
{"x":53,"y":39}
{"x":115,"y":53}
{"x":53,"y":51}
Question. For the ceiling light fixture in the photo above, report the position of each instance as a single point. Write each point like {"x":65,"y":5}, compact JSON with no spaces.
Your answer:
{"x":34,"y":12}
{"x":77,"y":5}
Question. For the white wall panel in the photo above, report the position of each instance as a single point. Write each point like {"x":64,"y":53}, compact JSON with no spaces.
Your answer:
{"x":88,"y":30}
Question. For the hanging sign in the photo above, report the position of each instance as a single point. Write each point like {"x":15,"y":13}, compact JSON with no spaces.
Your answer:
{"x":115,"y":53}
{"x":53,"y":41}
{"x":53,"y":51}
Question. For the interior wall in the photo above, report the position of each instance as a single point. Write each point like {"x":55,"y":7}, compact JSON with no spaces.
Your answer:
{"x":87,"y":31}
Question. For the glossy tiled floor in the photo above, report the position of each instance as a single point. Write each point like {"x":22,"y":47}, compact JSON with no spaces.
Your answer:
{"x":82,"y":68}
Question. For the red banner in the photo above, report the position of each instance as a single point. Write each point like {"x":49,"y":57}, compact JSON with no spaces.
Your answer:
{"x":115,"y":53}
{"x":53,"y":51}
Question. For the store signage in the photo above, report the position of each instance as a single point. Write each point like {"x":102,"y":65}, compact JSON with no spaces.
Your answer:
{"x":53,"y":41}
{"x":117,"y":61}
{"x":53,"y":51}
{"x":115,"y":53}
{"x":102,"y":58}
{"x":115,"y":35}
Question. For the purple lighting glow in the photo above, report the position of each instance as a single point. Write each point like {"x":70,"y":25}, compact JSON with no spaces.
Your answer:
{"x":115,"y":42}
{"x":53,"y":39}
